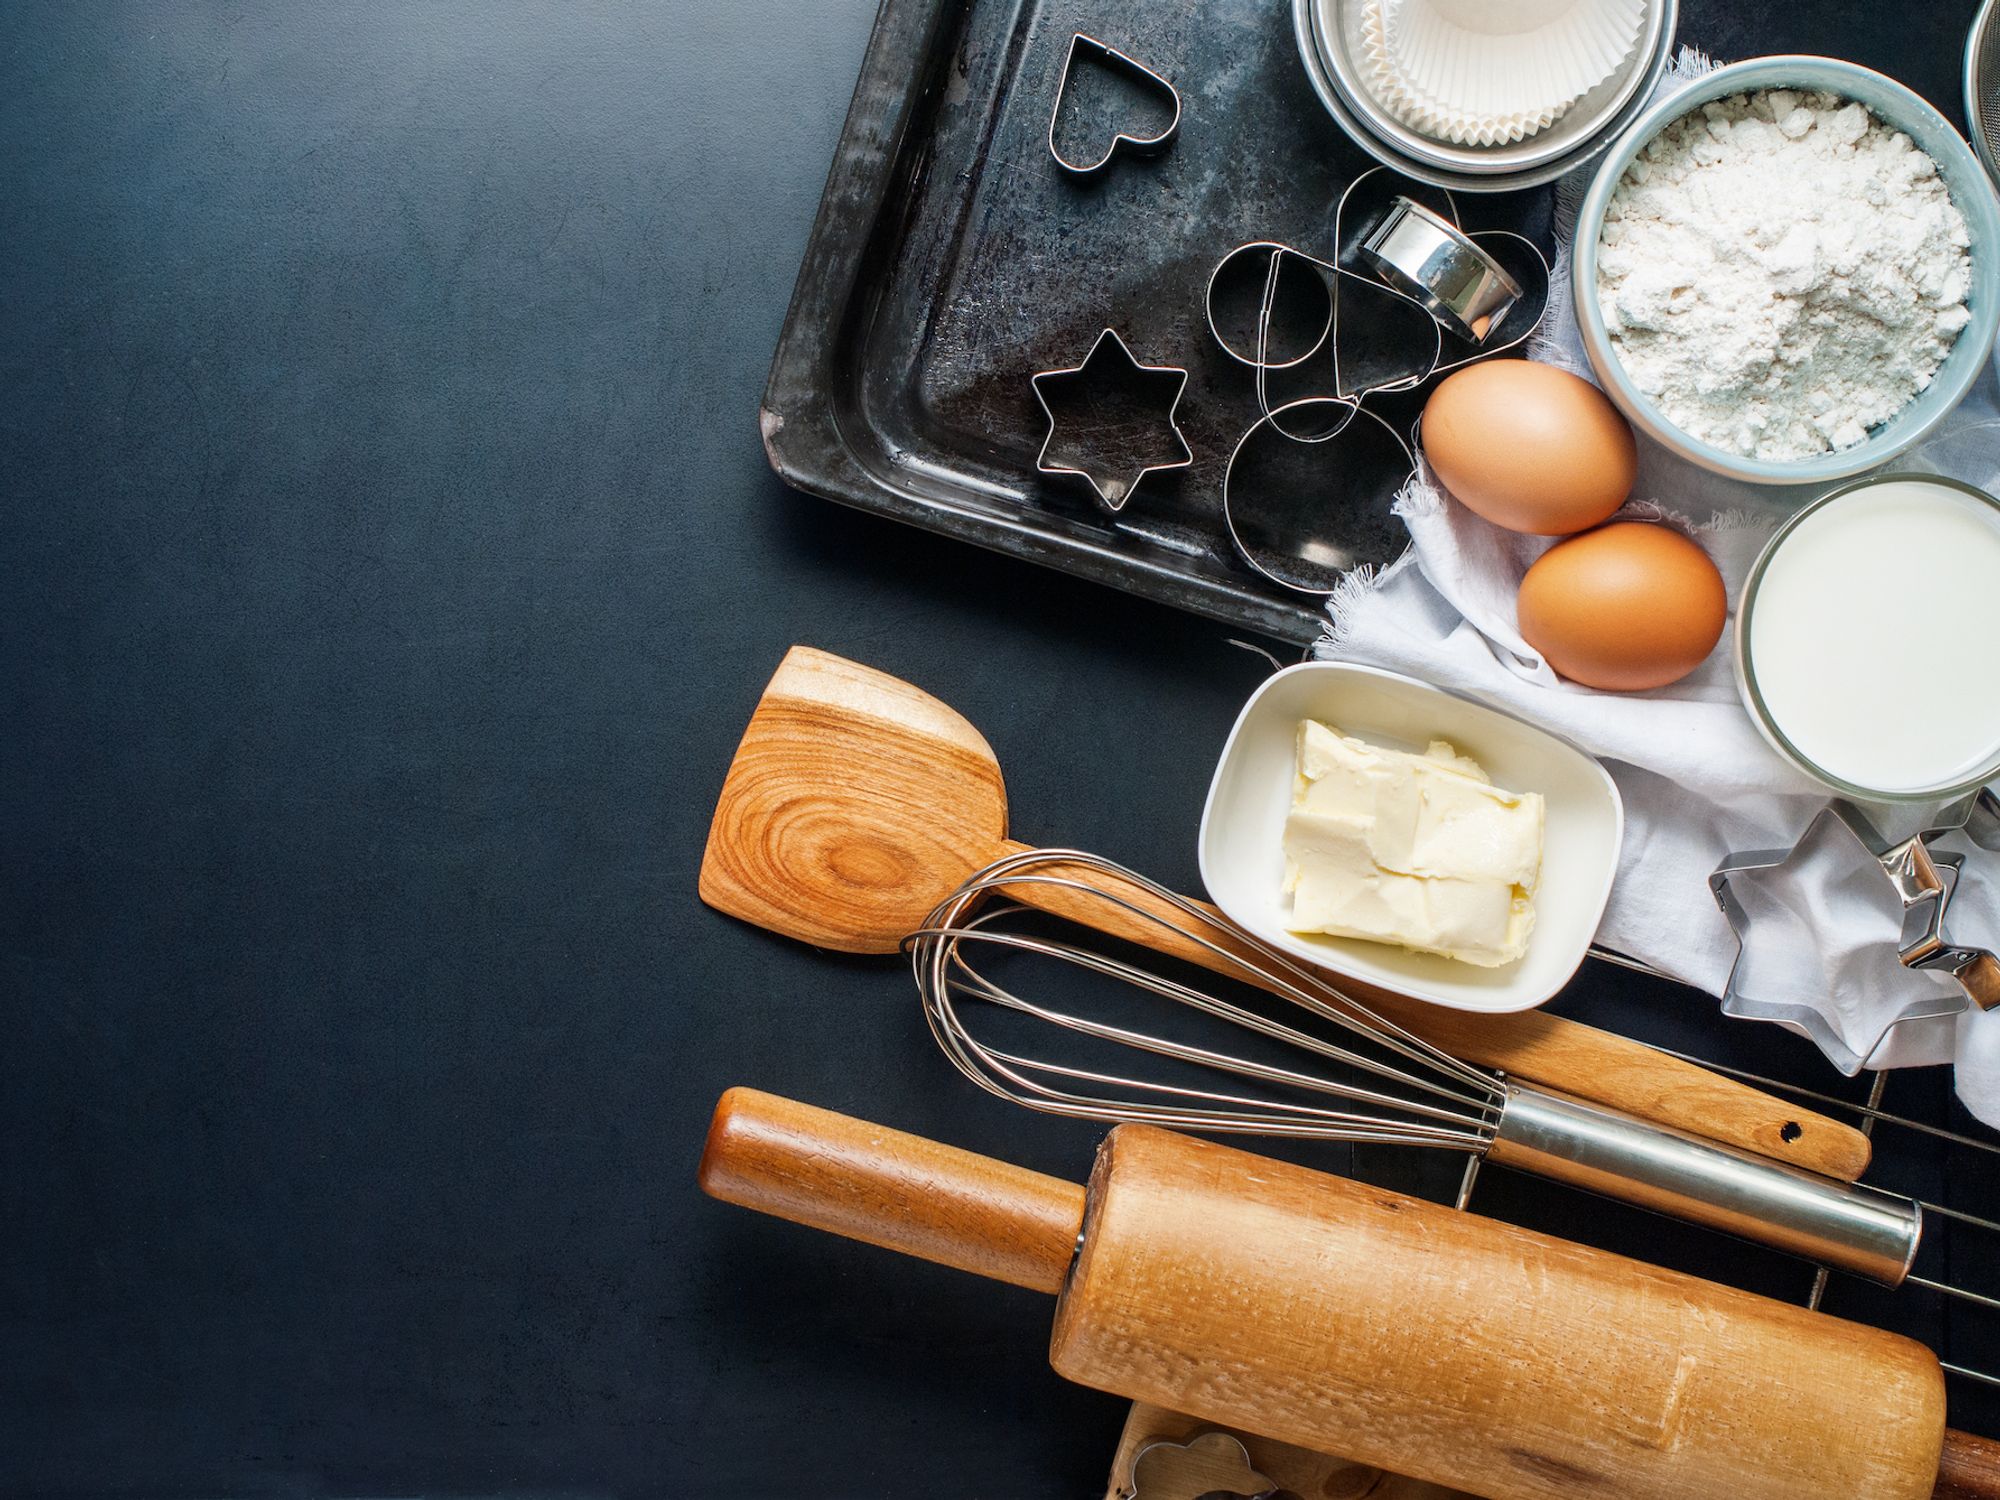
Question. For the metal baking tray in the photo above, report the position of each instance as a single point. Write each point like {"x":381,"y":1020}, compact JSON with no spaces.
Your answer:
{"x":951,"y":259}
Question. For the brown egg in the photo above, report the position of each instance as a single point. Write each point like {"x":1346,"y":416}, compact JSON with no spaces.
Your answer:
{"x":1625,"y":607}
{"x":1529,"y":447}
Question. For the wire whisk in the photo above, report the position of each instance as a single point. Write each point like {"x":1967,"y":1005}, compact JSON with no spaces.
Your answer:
{"x":1341,"y":1071}
{"x":1430,"y":1097}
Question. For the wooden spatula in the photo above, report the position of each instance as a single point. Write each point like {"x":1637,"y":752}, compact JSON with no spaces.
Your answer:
{"x":857,"y":802}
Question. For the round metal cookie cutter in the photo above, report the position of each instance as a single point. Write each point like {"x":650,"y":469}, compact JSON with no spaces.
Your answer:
{"x":1316,"y":553}
{"x":1426,"y":256}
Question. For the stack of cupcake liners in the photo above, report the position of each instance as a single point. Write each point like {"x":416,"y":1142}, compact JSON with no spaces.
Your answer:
{"x":1487,"y":72}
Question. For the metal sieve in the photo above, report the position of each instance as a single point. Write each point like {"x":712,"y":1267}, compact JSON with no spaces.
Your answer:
{"x":1982,"y":85}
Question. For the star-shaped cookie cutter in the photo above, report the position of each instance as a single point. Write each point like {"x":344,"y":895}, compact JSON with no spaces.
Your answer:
{"x":1924,"y":881}
{"x":1114,"y":458}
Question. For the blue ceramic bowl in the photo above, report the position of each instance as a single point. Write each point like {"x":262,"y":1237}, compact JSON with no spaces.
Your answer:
{"x":1970,"y":190}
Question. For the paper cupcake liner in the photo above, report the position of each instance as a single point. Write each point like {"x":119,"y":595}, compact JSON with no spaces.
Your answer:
{"x":1501,"y":57}
{"x":1426,"y":115}
{"x":1483,"y":72}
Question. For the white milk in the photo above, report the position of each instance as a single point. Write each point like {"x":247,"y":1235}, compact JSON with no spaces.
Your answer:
{"x":1874,"y":638}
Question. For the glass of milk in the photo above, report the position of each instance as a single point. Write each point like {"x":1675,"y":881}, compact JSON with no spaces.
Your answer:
{"x":1868,"y":639}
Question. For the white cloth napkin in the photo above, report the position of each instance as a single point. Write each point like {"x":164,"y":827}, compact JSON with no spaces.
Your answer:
{"x":1698,"y":781}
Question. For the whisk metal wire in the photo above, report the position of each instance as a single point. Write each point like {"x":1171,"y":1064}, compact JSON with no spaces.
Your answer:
{"x":1408,"y":1090}
{"x":1455,"y":1105}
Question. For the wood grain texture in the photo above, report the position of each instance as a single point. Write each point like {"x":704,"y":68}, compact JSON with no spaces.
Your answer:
{"x":1348,"y":1319}
{"x":881,"y":1186}
{"x":854,"y":804}
{"x":1968,"y":1469}
{"x":857,"y":802}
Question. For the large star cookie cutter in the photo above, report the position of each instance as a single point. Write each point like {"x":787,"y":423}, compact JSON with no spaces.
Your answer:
{"x":1924,"y":881}
{"x":1111,"y":420}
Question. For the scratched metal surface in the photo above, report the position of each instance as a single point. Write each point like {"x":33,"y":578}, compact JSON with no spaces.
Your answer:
{"x":901,"y":384}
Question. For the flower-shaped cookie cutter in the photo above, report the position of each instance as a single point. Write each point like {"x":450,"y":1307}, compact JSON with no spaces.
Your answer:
{"x":1208,"y":1466}
{"x":1924,"y":881}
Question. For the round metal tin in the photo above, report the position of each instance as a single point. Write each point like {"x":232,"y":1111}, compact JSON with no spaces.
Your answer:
{"x":1431,"y":259}
{"x":1480,"y":169}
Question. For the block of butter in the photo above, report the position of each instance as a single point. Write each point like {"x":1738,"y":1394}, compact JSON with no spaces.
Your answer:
{"x":1419,"y":850}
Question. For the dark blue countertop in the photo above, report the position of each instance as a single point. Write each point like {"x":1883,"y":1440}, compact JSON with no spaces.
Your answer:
{"x":389,"y":566}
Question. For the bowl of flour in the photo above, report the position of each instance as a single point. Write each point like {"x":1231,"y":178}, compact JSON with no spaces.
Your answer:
{"x":1789,"y":271}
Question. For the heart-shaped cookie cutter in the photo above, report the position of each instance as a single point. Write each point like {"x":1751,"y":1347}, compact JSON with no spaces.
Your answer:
{"x":1923,"y":880}
{"x":1082,"y":46}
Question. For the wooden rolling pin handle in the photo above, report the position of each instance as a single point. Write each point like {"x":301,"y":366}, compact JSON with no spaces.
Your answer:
{"x":1969,"y":1468}
{"x":901,"y":1192}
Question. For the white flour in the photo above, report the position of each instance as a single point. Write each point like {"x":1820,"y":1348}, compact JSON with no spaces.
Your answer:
{"x":1781,"y":271}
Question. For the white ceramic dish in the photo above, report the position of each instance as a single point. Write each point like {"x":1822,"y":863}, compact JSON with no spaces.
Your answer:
{"x":1242,"y":828}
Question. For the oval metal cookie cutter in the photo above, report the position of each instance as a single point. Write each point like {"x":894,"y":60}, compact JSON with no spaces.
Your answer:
{"x":1924,"y":881}
{"x":1321,"y":556}
{"x":1426,"y":256}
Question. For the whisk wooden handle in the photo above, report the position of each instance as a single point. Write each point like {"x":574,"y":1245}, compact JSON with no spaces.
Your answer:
{"x":1564,"y":1055}
{"x":902,"y":1192}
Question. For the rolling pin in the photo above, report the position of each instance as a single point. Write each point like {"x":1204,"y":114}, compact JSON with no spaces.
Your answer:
{"x":1353,"y":1320}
